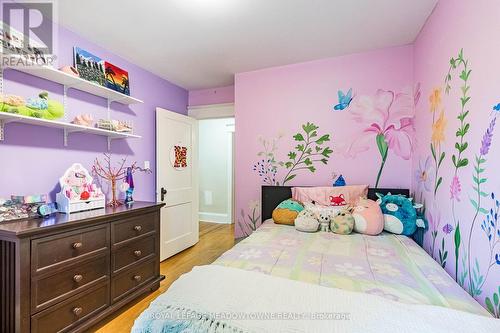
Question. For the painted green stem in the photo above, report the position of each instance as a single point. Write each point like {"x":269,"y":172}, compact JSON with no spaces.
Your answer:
{"x":383,"y":149}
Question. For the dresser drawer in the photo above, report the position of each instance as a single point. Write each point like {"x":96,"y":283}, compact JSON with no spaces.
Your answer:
{"x":138,"y":250}
{"x":61,"y":250}
{"x":67,"y":315}
{"x":133,"y":227}
{"x":131,"y":279}
{"x":51,"y":289}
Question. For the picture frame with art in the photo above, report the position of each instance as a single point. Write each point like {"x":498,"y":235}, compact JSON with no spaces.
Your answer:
{"x":90,"y":67}
{"x":116,"y":78}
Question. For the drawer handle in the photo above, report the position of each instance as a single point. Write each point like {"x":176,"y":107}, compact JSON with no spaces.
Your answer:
{"x":137,"y":278}
{"x":77,"y":311}
{"x":78,"y":278}
{"x":138,"y":253}
{"x":137,"y":228}
{"x":77,"y":245}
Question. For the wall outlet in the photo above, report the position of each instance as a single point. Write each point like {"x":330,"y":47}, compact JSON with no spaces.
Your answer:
{"x":147,"y":165}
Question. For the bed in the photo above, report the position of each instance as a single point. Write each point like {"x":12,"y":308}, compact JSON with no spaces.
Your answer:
{"x":367,"y":283}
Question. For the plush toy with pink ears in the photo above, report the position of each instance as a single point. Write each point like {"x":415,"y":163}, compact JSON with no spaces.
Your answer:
{"x":368,"y":217}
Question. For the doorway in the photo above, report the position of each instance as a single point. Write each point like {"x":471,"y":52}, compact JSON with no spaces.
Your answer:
{"x":216,"y":170}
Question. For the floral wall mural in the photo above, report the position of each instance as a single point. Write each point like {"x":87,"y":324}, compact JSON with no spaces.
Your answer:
{"x":296,"y":126}
{"x":457,"y":155}
{"x":387,"y":118}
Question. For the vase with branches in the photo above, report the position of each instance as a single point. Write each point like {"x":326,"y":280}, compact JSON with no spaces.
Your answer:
{"x":106,"y":171}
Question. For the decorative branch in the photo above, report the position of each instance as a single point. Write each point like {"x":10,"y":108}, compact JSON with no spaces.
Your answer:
{"x":113,"y":175}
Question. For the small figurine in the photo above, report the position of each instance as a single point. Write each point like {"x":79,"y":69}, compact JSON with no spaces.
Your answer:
{"x":130,"y":181}
{"x":84,"y":120}
{"x":340,"y":181}
{"x":324,"y":220}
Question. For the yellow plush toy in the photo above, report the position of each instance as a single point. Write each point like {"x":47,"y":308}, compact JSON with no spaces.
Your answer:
{"x":287,"y":212}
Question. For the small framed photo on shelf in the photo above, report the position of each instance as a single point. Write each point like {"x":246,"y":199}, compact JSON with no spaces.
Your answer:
{"x":89,"y":66}
{"x":116,"y":78}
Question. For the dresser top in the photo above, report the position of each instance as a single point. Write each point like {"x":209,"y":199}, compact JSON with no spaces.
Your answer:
{"x":29,"y":227}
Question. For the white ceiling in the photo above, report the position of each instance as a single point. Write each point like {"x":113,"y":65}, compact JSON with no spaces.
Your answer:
{"x":202,"y":43}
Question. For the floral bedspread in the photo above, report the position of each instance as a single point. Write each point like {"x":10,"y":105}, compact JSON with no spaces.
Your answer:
{"x":388,"y":265}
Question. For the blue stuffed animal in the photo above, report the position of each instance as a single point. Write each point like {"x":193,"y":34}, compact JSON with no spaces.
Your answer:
{"x":400,"y":215}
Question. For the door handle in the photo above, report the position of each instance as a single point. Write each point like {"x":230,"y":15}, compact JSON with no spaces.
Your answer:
{"x":162,"y":193}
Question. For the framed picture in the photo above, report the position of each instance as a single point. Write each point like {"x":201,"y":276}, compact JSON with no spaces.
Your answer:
{"x":116,"y":78}
{"x":90,"y":67}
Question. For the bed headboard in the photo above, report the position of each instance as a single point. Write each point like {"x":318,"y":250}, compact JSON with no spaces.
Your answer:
{"x":272,"y":196}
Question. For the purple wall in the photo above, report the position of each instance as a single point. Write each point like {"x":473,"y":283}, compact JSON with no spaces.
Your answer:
{"x":462,"y":214}
{"x":32,"y":158}
{"x":211,"y":96}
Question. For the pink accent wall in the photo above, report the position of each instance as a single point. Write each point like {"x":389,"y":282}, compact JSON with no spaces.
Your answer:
{"x":277,"y":101}
{"x":211,"y":96}
{"x":472,"y":26}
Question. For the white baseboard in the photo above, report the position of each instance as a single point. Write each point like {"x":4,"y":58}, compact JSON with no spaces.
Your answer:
{"x":214,"y":217}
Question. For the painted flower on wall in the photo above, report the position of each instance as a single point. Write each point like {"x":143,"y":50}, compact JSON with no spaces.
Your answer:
{"x":424,"y":175}
{"x":455,"y":189}
{"x":435,"y":99}
{"x":248,"y":222}
{"x":388,"y":117}
{"x":438,"y":129}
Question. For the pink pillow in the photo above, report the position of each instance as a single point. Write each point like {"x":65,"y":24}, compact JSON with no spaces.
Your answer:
{"x":368,"y":217}
{"x":331,"y":196}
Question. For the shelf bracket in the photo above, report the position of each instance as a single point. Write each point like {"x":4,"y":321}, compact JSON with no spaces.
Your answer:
{"x":1,"y":79}
{"x":109,"y":143}
{"x":65,"y":140}
{"x":109,"y":109}
{"x":66,"y":134}
{"x":65,"y":102}
{"x":2,"y":125}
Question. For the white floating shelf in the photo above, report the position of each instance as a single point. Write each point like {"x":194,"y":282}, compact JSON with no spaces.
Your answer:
{"x":67,"y":127}
{"x":70,"y":81}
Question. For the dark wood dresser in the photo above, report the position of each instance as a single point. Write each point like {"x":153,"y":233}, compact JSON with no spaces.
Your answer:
{"x":68,"y":272}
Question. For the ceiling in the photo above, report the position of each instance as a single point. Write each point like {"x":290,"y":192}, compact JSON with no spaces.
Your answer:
{"x":202,"y":43}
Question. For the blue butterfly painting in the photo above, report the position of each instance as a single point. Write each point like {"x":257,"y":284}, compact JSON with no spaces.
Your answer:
{"x":496,"y":107}
{"x":344,"y":100}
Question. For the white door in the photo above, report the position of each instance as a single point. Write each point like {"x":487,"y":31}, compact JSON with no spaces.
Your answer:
{"x":177,"y":181}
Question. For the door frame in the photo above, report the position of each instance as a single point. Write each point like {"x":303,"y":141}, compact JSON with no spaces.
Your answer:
{"x":218,"y":111}
{"x":194,"y":162}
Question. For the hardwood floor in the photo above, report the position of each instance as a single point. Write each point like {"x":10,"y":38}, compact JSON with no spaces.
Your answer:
{"x":215,"y":239}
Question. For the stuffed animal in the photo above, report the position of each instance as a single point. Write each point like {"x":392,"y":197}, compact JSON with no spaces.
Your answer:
{"x":306,"y":221}
{"x":343,"y":222}
{"x":400,"y":216}
{"x":324,"y":219}
{"x":43,"y":107}
{"x":14,"y":104}
{"x":368,"y":217}
{"x":287,"y":212}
